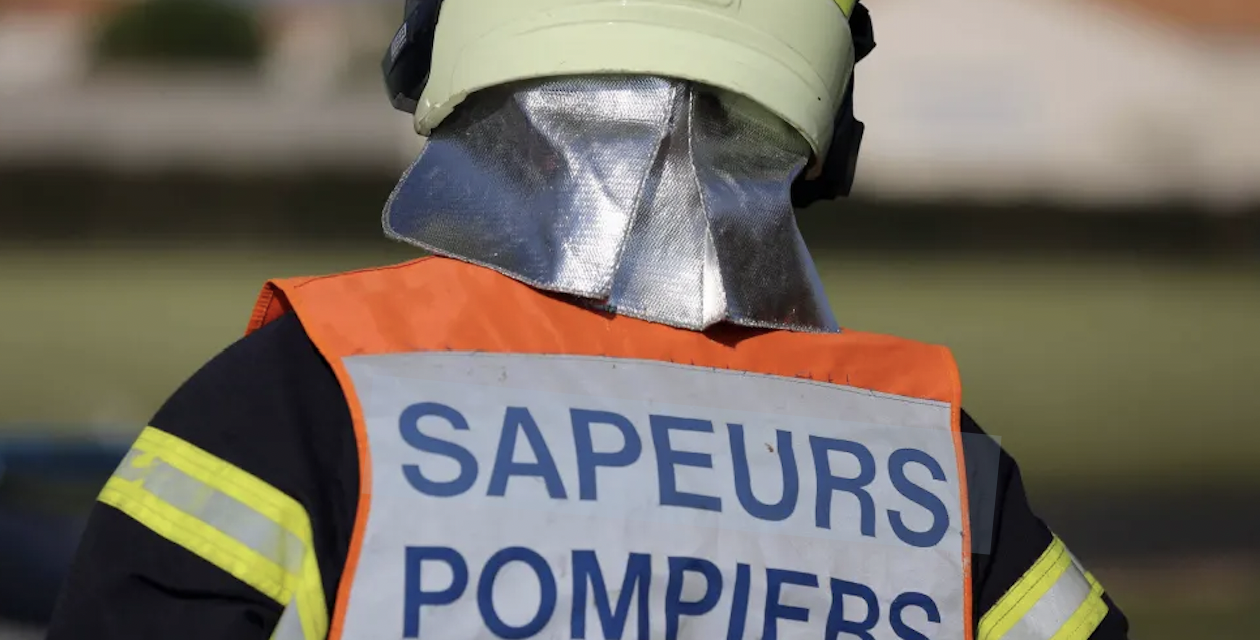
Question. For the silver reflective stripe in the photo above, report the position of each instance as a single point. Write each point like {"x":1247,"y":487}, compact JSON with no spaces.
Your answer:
{"x":1055,"y":607}
{"x":227,"y":517}
{"x":217,"y":509}
{"x":290,"y":625}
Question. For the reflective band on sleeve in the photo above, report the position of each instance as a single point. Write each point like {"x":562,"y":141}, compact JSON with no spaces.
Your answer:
{"x":1054,"y":600}
{"x":229,"y":518}
{"x":290,"y":625}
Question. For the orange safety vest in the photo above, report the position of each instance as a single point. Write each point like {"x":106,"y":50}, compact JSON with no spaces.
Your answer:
{"x":452,"y":370}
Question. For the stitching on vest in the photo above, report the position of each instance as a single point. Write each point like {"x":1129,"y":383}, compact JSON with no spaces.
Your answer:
{"x":814,"y":383}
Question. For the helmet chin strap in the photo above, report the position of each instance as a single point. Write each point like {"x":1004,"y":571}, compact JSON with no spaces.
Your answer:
{"x":658,"y":199}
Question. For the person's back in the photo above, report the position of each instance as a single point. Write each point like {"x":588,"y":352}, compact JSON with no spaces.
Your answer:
{"x":615,"y":404}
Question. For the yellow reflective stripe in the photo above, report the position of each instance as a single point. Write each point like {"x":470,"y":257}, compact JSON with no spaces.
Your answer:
{"x":1055,"y":586}
{"x":200,"y":538}
{"x":1087,"y":617}
{"x":228,"y":517}
{"x":846,"y":6}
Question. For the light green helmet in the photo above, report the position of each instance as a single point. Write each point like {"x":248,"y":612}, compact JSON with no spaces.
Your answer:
{"x":793,"y":57}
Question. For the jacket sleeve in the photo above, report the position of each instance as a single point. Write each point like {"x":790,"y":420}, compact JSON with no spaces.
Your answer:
{"x":231,"y":515}
{"x":1026,"y":584}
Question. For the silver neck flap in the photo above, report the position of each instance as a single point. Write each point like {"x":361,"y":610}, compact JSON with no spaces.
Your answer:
{"x":653,"y":198}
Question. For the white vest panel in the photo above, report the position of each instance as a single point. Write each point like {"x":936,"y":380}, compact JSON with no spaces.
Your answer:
{"x":559,"y":497}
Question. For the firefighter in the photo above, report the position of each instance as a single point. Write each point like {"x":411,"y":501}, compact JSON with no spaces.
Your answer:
{"x":614,"y":404}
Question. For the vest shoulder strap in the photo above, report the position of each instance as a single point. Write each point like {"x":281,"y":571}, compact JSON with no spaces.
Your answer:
{"x":439,"y":304}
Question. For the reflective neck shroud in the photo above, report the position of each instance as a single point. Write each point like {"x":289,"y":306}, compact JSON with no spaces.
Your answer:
{"x":654,"y":198}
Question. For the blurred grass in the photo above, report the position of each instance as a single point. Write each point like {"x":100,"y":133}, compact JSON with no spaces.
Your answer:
{"x":1105,"y":370}
{"x":1131,"y":372}
{"x":1159,"y":619}
{"x":1203,"y":598}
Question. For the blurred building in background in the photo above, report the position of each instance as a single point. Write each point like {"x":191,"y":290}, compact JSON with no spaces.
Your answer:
{"x":1098,"y":100}
{"x":1117,"y":100}
{"x":313,"y":101}
{"x":1065,"y":192}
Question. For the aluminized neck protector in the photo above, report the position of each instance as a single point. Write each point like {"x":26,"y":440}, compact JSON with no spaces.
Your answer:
{"x":653,"y":198}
